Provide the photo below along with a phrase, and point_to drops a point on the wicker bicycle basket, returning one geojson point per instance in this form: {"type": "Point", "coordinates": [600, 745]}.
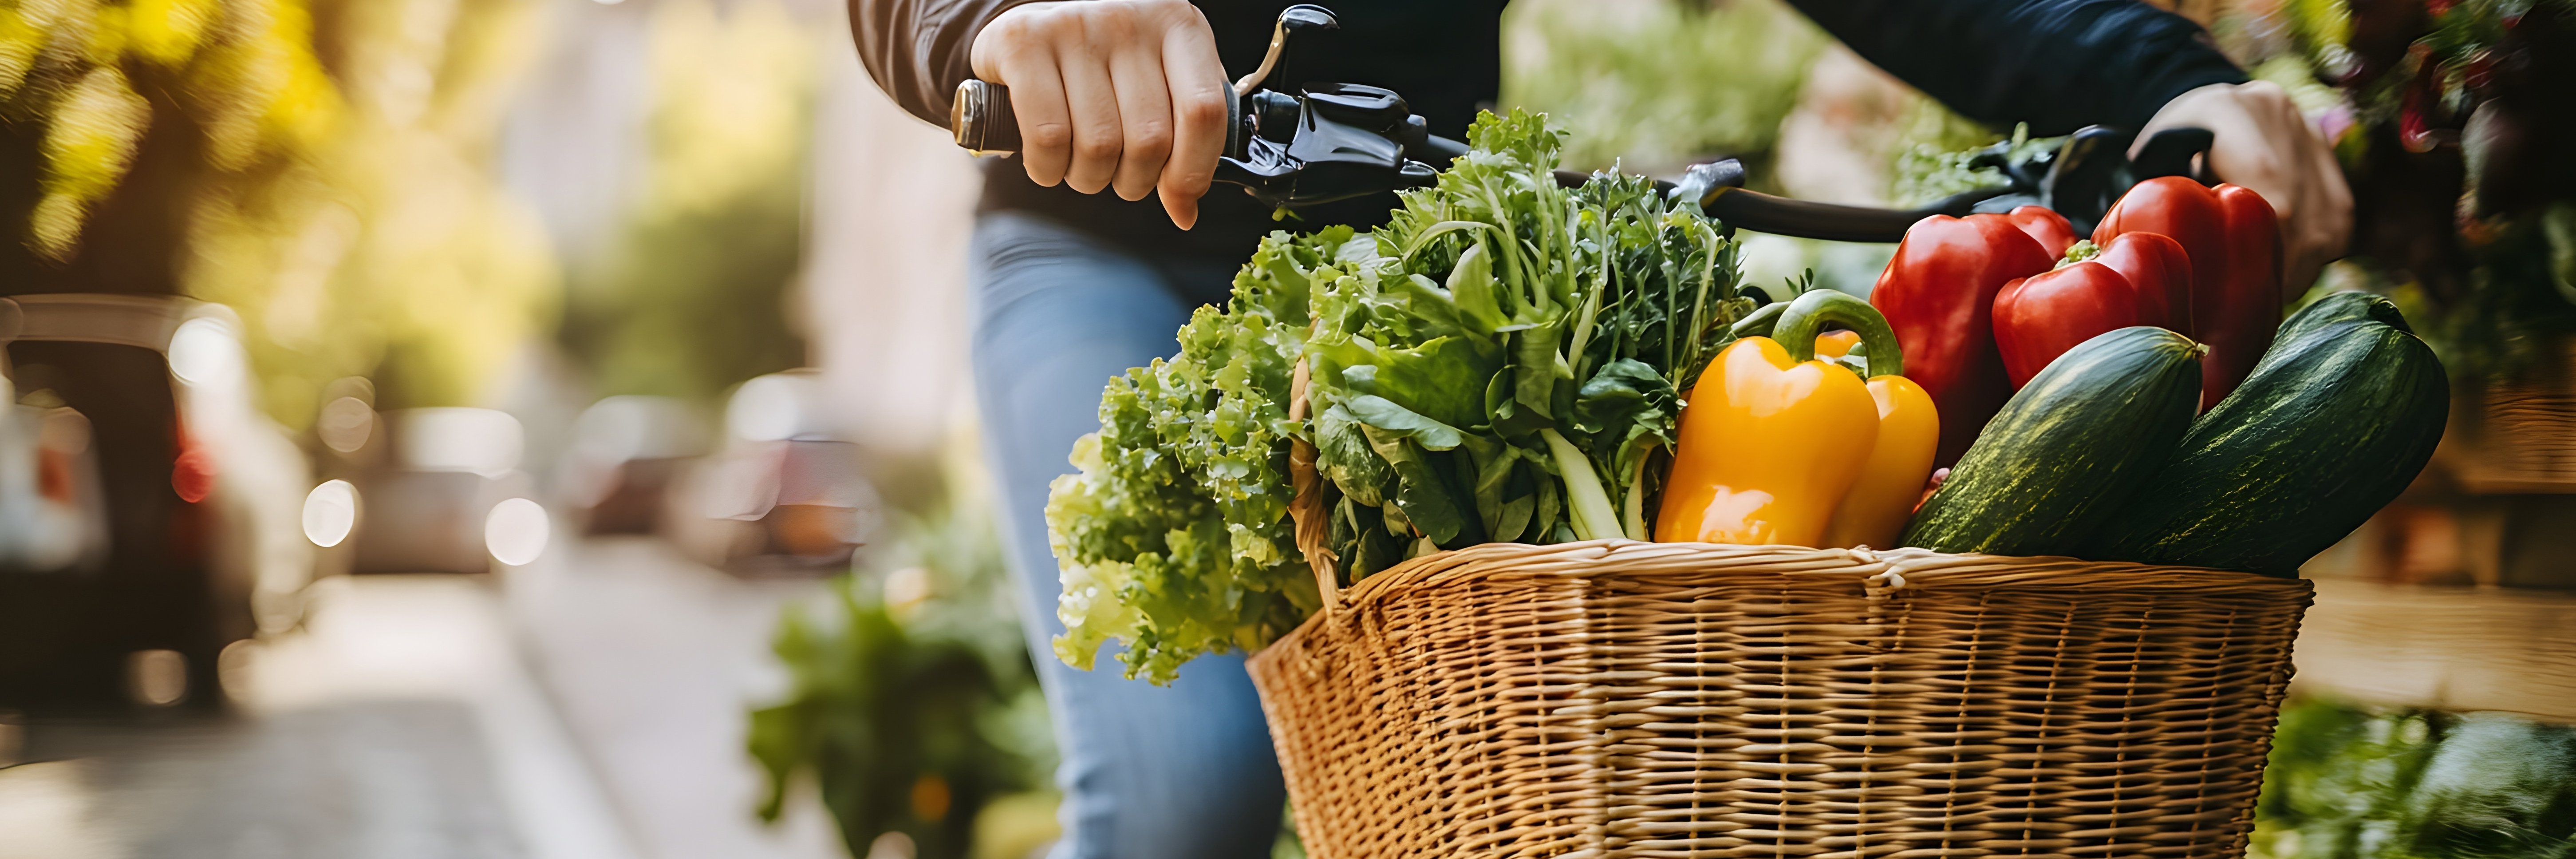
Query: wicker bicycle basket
{"type": "Point", "coordinates": [1626, 699]}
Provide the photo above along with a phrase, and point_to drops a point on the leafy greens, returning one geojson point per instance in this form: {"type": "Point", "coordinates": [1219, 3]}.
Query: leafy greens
{"type": "Point", "coordinates": [1500, 362]}
{"type": "Point", "coordinates": [1173, 533]}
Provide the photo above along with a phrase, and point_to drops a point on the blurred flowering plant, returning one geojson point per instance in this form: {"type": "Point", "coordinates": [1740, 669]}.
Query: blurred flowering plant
{"type": "Point", "coordinates": [2465, 206]}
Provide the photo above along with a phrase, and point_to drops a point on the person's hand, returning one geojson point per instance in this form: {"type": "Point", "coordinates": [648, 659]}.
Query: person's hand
{"type": "Point", "coordinates": [1123, 94]}
{"type": "Point", "coordinates": [2262, 143]}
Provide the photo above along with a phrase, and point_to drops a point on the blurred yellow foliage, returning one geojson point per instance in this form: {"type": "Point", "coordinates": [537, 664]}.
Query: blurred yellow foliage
{"type": "Point", "coordinates": [168, 31]}
{"type": "Point", "coordinates": [344, 206]}
{"type": "Point", "coordinates": [693, 294]}
{"type": "Point", "coordinates": [247, 69]}
{"type": "Point", "coordinates": [731, 99]}
{"type": "Point", "coordinates": [90, 140]}
{"type": "Point", "coordinates": [388, 246]}
{"type": "Point", "coordinates": [280, 96]}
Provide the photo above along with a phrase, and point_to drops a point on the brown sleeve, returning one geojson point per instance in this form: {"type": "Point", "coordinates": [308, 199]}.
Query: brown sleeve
{"type": "Point", "coordinates": [918, 50]}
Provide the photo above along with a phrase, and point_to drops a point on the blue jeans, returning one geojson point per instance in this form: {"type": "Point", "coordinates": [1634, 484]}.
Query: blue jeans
{"type": "Point", "coordinates": [1178, 772]}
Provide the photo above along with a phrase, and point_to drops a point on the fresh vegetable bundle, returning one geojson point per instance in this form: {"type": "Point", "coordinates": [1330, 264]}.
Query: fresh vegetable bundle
{"type": "Point", "coordinates": [1511, 360]}
{"type": "Point", "coordinates": [1500, 362]}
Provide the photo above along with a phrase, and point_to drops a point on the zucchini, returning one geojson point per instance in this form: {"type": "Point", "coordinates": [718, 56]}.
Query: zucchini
{"type": "Point", "coordinates": [2333, 308]}
{"type": "Point", "coordinates": [2332, 425]}
{"type": "Point", "coordinates": [2068, 449]}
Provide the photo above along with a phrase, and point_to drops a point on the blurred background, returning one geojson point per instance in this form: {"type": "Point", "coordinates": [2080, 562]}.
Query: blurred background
{"type": "Point", "coordinates": [501, 428]}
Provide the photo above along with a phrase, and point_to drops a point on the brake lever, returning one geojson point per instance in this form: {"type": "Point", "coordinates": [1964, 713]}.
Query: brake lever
{"type": "Point", "coordinates": [1329, 142]}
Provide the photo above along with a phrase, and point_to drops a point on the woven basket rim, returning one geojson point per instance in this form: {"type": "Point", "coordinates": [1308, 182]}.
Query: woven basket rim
{"type": "Point", "coordinates": [1878, 571]}
{"type": "Point", "coordinates": [1920, 568]}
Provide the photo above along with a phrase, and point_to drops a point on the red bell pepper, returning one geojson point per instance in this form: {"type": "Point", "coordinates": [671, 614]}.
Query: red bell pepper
{"type": "Point", "coordinates": [2055, 235]}
{"type": "Point", "coordinates": [1938, 293]}
{"type": "Point", "coordinates": [2232, 238]}
{"type": "Point", "coordinates": [2138, 281]}
{"type": "Point", "coordinates": [2254, 299]}
{"type": "Point", "coordinates": [2161, 271]}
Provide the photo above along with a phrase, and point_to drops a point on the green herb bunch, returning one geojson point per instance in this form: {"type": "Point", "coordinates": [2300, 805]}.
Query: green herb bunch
{"type": "Point", "coordinates": [1500, 362]}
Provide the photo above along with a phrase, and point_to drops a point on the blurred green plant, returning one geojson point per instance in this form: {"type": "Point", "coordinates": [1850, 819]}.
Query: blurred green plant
{"type": "Point", "coordinates": [2347, 782]}
{"type": "Point", "coordinates": [1287, 845]}
{"type": "Point", "coordinates": [1658, 83]}
{"type": "Point", "coordinates": [913, 703]}
{"type": "Point", "coordinates": [694, 296]}
{"type": "Point", "coordinates": [1938, 166]}
{"type": "Point", "coordinates": [319, 166]}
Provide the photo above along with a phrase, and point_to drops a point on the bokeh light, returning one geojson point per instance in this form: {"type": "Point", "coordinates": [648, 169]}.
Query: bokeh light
{"type": "Point", "coordinates": [516, 532]}
{"type": "Point", "coordinates": [330, 513]}
{"type": "Point", "coordinates": [203, 352]}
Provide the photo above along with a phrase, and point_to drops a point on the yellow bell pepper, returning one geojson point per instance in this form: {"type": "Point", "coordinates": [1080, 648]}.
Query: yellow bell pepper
{"type": "Point", "coordinates": [1836, 343]}
{"type": "Point", "coordinates": [1873, 513]}
{"type": "Point", "coordinates": [1778, 447]}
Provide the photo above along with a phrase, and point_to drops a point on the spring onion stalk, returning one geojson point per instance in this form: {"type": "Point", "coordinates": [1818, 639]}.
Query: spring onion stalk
{"type": "Point", "coordinates": [1587, 502]}
{"type": "Point", "coordinates": [1632, 509]}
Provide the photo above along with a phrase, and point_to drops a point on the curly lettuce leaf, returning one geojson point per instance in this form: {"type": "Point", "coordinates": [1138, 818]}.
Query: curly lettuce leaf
{"type": "Point", "coordinates": [1172, 534]}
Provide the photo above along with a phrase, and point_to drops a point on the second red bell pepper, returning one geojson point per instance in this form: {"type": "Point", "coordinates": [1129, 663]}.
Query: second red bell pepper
{"type": "Point", "coordinates": [1938, 293]}
{"type": "Point", "coordinates": [2142, 279]}
{"type": "Point", "coordinates": [2233, 240]}
{"type": "Point", "coordinates": [2161, 270]}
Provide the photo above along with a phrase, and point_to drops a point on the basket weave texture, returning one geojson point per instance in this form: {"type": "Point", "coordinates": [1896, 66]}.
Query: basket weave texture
{"type": "Point", "coordinates": [1624, 699]}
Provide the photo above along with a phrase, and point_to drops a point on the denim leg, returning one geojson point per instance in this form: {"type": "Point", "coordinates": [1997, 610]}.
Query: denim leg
{"type": "Point", "coordinates": [1178, 772]}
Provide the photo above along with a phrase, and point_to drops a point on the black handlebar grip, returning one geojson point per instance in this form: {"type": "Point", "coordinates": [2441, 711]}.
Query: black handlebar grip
{"type": "Point", "coordinates": [982, 120]}
{"type": "Point", "coordinates": [1806, 219]}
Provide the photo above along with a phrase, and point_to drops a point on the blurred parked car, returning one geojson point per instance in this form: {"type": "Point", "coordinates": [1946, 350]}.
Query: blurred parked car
{"type": "Point", "coordinates": [445, 496]}
{"type": "Point", "coordinates": [626, 454]}
{"type": "Point", "coordinates": [784, 495]}
{"type": "Point", "coordinates": [162, 526]}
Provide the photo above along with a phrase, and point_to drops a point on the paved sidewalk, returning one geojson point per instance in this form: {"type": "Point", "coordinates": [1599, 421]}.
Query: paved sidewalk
{"type": "Point", "coordinates": [399, 724]}
{"type": "Point", "coordinates": [654, 661]}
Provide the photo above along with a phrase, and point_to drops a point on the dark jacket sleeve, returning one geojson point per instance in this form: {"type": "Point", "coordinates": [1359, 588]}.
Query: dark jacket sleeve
{"type": "Point", "coordinates": [919, 50]}
{"type": "Point", "coordinates": [2057, 64]}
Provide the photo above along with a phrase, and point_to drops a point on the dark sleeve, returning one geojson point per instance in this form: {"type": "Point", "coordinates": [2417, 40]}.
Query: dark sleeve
{"type": "Point", "coordinates": [2059, 65]}
{"type": "Point", "coordinates": [918, 50]}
